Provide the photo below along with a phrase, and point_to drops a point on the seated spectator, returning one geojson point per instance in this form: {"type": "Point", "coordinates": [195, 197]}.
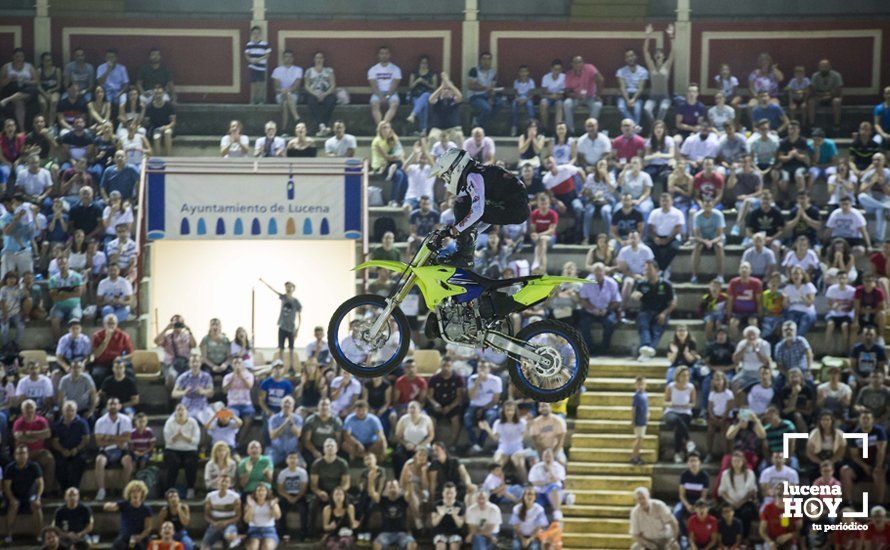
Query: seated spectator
{"type": "Point", "coordinates": [523, 92]}
{"type": "Point", "coordinates": [875, 398]}
{"type": "Point", "coordinates": [743, 302]}
{"type": "Point", "coordinates": [761, 394]}
{"type": "Point", "coordinates": [284, 432]}
{"type": "Point", "coordinates": [834, 395]}
{"type": "Point", "coordinates": [869, 305]}
{"type": "Point", "coordinates": [682, 352]}
{"type": "Point", "coordinates": [751, 353]}
{"type": "Point", "coordinates": [548, 478]}
{"type": "Point", "coordinates": [746, 184]}
{"type": "Point", "coordinates": [35, 387]}
{"type": "Point", "coordinates": [270, 145]}
{"type": "Point", "coordinates": [66, 290]}
{"type": "Point", "coordinates": [288, 78]}
{"type": "Point", "coordinates": [177, 515]}
{"type": "Point", "coordinates": [341, 144]}
{"type": "Point", "coordinates": [394, 517]}
{"type": "Point", "coordinates": [483, 520]}
{"type": "Point", "coordinates": [793, 351]}
{"type": "Point", "coordinates": [122, 387]}
{"type": "Point", "coordinates": [823, 158]}
{"type": "Point", "coordinates": [508, 431]}
{"type": "Point", "coordinates": [593, 146]}
{"type": "Point", "coordinates": [109, 344]}
{"type": "Point", "coordinates": [338, 521]}
{"type": "Point", "coordinates": [599, 194]}
{"type": "Point", "coordinates": [484, 392]}
{"type": "Point", "coordinates": [651, 523]}
{"type": "Point", "coordinates": [548, 431]}
{"type": "Point", "coordinates": [193, 388]}
{"type": "Point", "coordinates": [446, 396]}
{"type": "Point", "coordinates": [178, 342]}
{"type": "Point", "coordinates": [182, 435]}
{"type": "Point", "coordinates": [19, 229]}
{"type": "Point", "coordinates": [631, 261]}
{"type": "Point", "coordinates": [363, 433]}
{"type": "Point", "coordinates": [387, 157]}
{"type": "Point", "coordinates": [261, 512]}
{"type": "Point", "coordinates": [318, 428]}
{"type": "Point", "coordinates": [409, 386]}
{"type": "Point", "coordinates": [73, 346]}
{"type": "Point", "coordinates": [826, 443]}
{"type": "Point", "coordinates": [70, 437]}
{"type": "Point", "coordinates": [720, 406]}
{"type": "Point", "coordinates": [793, 161]}
{"type": "Point", "coordinates": [657, 302]}
{"type": "Point", "coordinates": [878, 529]}
{"type": "Point", "coordinates": [291, 486]}
{"type": "Point", "coordinates": [34, 182]}
{"type": "Point", "coordinates": [628, 145]}
{"type": "Point", "coordinates": [693, 486]}
{"type": "Point", "coordinates": [222, 511]}
{"type": "Point", "coordinates": [135, 517]}
{"type": "Point", "coordinates": [874, 186]}
{"type": "Point", "coordinates": [74, 521]}
{"type": "Point", "coordinates": [866, 357]}
{"type": "Point", "coordinates": [775, 528]}
{"type": "Point", "coordinates": [115, 213]}
{"type": "Point", "coordinates": [115, 294]}
{"type": "Point", "coordinates": [444, 468]}
{"type": "Point", "coordinates": [215, 348]}
{"type": "Point", "coordinates": [679, 399]}
{"type": "Point", "coordinates": [255, 469]}
{"type": "Point", "coordinates": [113, 432]}
{"type": "Point", "coordinates": [344, 390]}
{"type": "Point", "coordinates": [826, 88]}
{"type": "Point", "coordinates": [142, 441]}
{"type": "Point", "coordinates": [160, 120]}
{"type": "Point", "coordinates": [873, 468]}
{"type": "Point", "coordinates": [445, 103]}
{"type": "Point", "coordinates": [631, 84]}
{"type": "Point", "coordinates": [528, 519]}
{"type": "Point", "coordinates": [768, 220]}
{"type": "Point", "coordinates": [699, 146]}
{"type": "Point", "coordinates": [413, 431]}
{"type": "Point", "coordinates": [234, 144]}
{"type": "Point", "coordinates": [384, 79]}
{"type": "Point", "coordinates": [600, 303]}
{"type": "Point", "coordinates": [448, 517]}
{"type": "Point", "coordinates": [302, 145]}
{"type": "Point", "coordinates": [798, 89]}
{"type": "Point", "coordinates": [12, 298]}
{"type": "Point", "coordinates": [634, 181]}
{"type": "Point", "coordinates": [802, 256]}
{"type": "Point", "coordinates": [327, 474]}
{"type": "Point", "coordinates": [707, 234]}
{"type": "Point", "coordinates": [849, 224]}
{"type": "Point", "coordinates": [220, 464]}
{"type": "Point", "coordinates": [879, 265]}
{"type": "Point", "coordinates": [273, 389]}
{"type": "Point", "coordinates": [420, 185]}
{"type": "Point", "coordinates": [23, 488]}
{"type": "Point", "coordinates": [582, 87]}
{"type": "Point", "coordinates": [665, 226]}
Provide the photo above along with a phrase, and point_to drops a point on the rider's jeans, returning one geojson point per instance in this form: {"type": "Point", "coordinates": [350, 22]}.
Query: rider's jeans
{"type": "Point", "coordinates": [649, 328]}
{"type": "Point", "coordinates": [472, 416]}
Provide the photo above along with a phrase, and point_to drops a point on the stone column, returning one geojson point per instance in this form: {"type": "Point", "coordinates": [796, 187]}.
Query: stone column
{"type": "Point", "coordinates": [683, 71]}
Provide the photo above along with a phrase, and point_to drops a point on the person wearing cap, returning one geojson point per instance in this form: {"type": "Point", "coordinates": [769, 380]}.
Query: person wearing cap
{"type": "Point", "coordinates": [363, 433]}
{"type": "Point", "coordinates": [19, 229]}
{"type": "Point", "coordinates": [702, 527]}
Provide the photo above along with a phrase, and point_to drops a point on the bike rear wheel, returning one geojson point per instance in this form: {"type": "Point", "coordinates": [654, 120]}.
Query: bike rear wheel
{"type": "Point", "coordinates": [566, 368]}
{"type": "Point", "coordinates": [351, 344]}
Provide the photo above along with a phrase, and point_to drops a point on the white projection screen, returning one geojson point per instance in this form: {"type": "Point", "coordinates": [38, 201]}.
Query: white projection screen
{"type": "Point", "coordinates": [214, 278]}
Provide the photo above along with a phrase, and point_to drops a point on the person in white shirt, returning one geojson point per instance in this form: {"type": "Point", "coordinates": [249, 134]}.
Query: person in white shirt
{"type": "Point", "coordinates": [112, 433]}
{"type": "Point", "coordinates": [548, 477]}
{"type": "Point", "coordinates": [344, 390]}
{"type": "Point", "coordinates": [524, 88]}
{"type": "Point", "coordinates": [35, 182]}
{"type": "Point", "coordinates": [287, 77]}
{"type": "Point", "coordinates": [417, 168]}
{"type": "Point", "coordinates": [665, 225]}
{"type": "Point", "coordinates": [840, 310]}
{"type": "Point", "coordinates": [115, 294]}
{"type": "Point", "coordinates": [182, 434]}
{"type": "Point", "coordinates": [631, 82]}
{"type": "Point", "coordinates": [592, 146]}
{"type": "Point", "coordinates": [553, 86]}
{"type": "Point", "coordinates": [340, 144]}
{"type": "Point", "coordinates": [36, 387]}
{"type": "Point", "coordinates": [762, 394]}
{"type": "Point", "coordinates": [269, 145]}
{"type": "Point", "coordinates": [483, 521]}
{"type": "Point", "coordinates": [751, 353]}
{"type": "Point", "coordinates": [698, 146]}
{"type": "Point", "coordinates": [484, 391]}
{"type": "Point", "coordinates": [384, 78]}
{"type": "Point", "coordinates": [631, 262]}
{"type": "Point", "coordinates": [234, 144]}
{"type": "Point", "coordinates": [774, 475]}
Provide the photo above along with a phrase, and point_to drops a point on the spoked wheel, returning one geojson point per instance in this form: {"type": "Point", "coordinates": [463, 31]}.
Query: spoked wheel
{"type": "Point", "coordinates": [351, 343]}
{"type": "Point", "coordinates": [564, 367]}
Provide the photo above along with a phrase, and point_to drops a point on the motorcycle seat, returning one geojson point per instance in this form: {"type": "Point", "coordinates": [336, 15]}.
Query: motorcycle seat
{"type": "Point", "coordinates": [492, 284]}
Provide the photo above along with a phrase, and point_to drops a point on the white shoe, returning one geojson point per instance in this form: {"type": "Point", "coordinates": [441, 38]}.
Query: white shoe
{"type": "Point", "coordinates": [641, 358]}
{"type": "Point", "coordinates": [678, 458]}
{"type": "Point", "coordinates": [557, 515]}
{"type": "Point", "coordinates": [719, 279]}
{"type": "Point", "coordinates": [648, 351]}
{"type": "Point", "coordinates": [100, 495]}
{"type": "Point", "coordinates": [190, 494]}
{"type": "Point", "coordinates": [690, 446]}
{"type": "Point", "coordinates": [570, 499]}
{"type": "Point", "coordinates": [475, 449]}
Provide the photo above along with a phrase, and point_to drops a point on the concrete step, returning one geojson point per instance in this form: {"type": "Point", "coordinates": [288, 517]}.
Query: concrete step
{"type": "Point", "coordinates": [601, 426]}
{"type": "Point", "coordinates": [612, 441]}
{"type": "Point", "coordinates": [611, 482]}
{"type": "Point", "coordinates": [617, 455]}
{"type": "Point", "coordinates": [596, 511]}
{"type": "Point", "coordinates": [599, 412]}
{"type": "Point", "coordinates": [604, 497]}
{"type": "Point", "coordinates": [611, 384]}
{"type": "Point", "coordinates": [612, 526]}
{"type": "Point", "coordinates": [607, 468]}
{"type": "Point", "coordinates": [622, 367]}
{"type": "Point", "coordinates": [589, 541]}
{"type": "Point", "coordinates": [601, 398]}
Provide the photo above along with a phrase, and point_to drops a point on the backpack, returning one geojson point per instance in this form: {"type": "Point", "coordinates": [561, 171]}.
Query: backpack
{"type": "Point", "coordinates": [506, 198]}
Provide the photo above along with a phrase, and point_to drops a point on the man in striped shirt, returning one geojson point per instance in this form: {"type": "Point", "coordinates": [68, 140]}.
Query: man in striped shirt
{"type": "Point", "coordinates": [256, 52]}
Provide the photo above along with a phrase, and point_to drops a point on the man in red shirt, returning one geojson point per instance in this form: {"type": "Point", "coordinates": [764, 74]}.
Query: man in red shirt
{"type": "Point", "coordinates": [743, 304]}
{"type": "Point", "coordinates": [582, 86]}
{"type": "Point", "coordinates": [878, 534]}
{"type": "Point", "coordinates": [109, 343]}
{"type": "Point", "coordinates": [33, 431]}
{"type": "Point", "coordinates": [12, 148]}
{"type": "Point", "coordinates": [880, 263]}
{"type": "Point", "coordinates": [777, 531]}
{"type": "Point", "coordinates": [702, 528]}
{"type": "Point", "coordinates": [542, 225]}
{"type": "Point", "coordinates": [628, 145]}
{"type": "Point", "coordinates": [707, 185]}
{"type": "Point", "coordinates": [410, 387]}
{"type": "Point", "coordinates": [869, 303]}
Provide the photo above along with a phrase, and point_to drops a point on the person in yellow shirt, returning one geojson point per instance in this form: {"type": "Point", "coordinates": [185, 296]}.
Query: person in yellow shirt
{"type": "Point", "coordinates": [773, 305]}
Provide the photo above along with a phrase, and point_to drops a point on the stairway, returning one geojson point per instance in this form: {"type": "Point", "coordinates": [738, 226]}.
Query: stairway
{"type": "Point", "coordinates": [598, 471]}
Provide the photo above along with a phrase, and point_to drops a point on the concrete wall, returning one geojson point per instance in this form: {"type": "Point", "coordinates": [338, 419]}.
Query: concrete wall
{"type": "Point", "coordinates": [791, 9]}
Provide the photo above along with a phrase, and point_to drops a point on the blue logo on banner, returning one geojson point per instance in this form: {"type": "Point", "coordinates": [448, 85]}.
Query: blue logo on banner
{"type": "Point", "coordinates": [220, 226]}
{"type": "Point", "coordinates": [325, 227]}
{"type": "Point", "coordinates": [202, 227]}
{"type": "Point", "coordinates": [185, 227]}
{"type": "Point", "coordinates": [273, 226]}
{"type": "Point", "coordinates": [239, 227]}
{"type": "Point", "coordinates": [255, 227]}
{"type": "Point", "coordinates": [307, 226]}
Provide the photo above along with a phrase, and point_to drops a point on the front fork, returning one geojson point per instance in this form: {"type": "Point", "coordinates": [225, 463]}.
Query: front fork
{"type": "Point", "coordinates": [394, 301]}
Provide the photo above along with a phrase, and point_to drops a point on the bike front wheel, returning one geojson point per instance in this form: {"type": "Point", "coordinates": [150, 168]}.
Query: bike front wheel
{"type": "Point", "coordinates": [353, 346]}
{"type": "Point", "coordinates": [565, 363]}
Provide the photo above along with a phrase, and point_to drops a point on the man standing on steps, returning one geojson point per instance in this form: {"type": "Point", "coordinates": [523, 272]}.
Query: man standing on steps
{"type": "Point", "coordinates": [652, 525]}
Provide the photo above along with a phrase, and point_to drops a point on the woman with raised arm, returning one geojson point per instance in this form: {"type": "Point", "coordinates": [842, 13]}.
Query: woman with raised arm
{"type": "Point", "coordinates": [659, 74]}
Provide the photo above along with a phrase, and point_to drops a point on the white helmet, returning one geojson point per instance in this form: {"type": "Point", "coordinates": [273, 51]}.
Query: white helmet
{"type": "Point", "coordinates": [450, 167]}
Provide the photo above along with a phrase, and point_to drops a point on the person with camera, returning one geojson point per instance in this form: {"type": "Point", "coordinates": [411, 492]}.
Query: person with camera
{"type": "Point", "coordinates": [448, 520]}
{"type": "Point", "coordinates": [178, 342]}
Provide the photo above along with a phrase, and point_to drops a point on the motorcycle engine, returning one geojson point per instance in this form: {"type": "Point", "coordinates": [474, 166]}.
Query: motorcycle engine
{"type": "Point", "coordinates": [459, 321]}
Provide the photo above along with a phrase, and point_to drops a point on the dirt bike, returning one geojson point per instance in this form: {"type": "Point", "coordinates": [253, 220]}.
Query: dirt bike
{"type": "Point", "coordinates": [369, 335]}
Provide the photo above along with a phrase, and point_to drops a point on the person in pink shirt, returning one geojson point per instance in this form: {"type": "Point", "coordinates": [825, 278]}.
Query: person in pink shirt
{"type": "Point", "coordinates": [826, 469]}
{"type": "Point", "coordinates": [582, 86]}
{"type": "Point", "coordinates": [628, 145]}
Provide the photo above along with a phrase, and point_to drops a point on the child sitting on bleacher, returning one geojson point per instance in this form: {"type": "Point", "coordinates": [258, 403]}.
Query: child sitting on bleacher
{"type": "Point", "coordinates": [142, 442]}
{"type": "Point", "coordinates": [498, 489]}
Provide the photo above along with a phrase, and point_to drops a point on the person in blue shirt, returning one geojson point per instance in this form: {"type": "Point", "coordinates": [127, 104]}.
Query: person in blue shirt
{"type": "Point", "coordinates": [284, 429]}
{"type": "Point", "coordinates": [823, 157]}
{"type": "Point", "coordinates": [640, 418]}
{"type": "Point", "coordinates": [18, 229]}
{"type": "Point", "coordinates": [274, 389]}
{"type": "Point", "coordinates": [363, 433]}
{"type": "Point", "coordinates": [120, 176]}
{"type": "Point", "coordinates": [112, 76]}
{"type": "Point", "coordinates": [776, 116]}
{"type": "Point", "coordinates": [882, 115]}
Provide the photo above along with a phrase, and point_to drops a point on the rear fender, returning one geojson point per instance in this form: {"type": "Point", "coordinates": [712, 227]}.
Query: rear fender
{"type": "Point", "coordinates": [538, 290]}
